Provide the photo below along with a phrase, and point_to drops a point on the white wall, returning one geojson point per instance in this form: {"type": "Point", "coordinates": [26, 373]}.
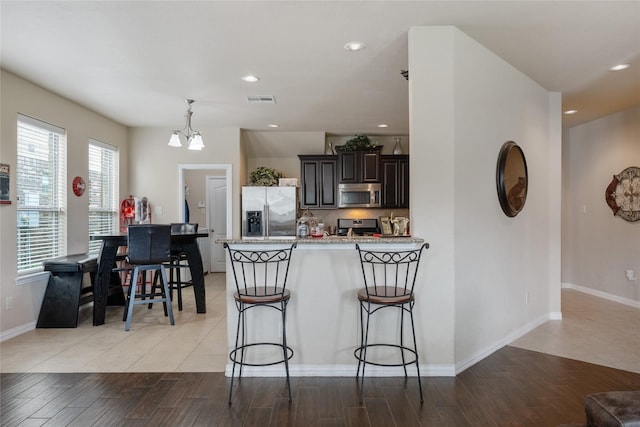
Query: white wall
{"type": "Point", "coordinates": [155, 174]}
{"type": "Point", "coordinates": [431, 107]}
{"type": "Point", "coordinates": [597, 246]}
{"type": "Point", "coordinates": [196, 180]}
{"type": "Point", "coordinates": [465, 102]}
{"type": "Point", "coordinates": [280, 150]}
{"type": "Point", "coordinates": [20, 96]}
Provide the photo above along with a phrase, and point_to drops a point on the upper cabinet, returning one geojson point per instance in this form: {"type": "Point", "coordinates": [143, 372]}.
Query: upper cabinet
{"type": "Point", "coordinates": [359, 166]}
{"type": "Point", "coordinates": [318, 181]}
{"type": "Point", "coordinates": [395, 181]}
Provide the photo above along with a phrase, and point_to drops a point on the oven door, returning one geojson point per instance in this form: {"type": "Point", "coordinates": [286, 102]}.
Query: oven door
{"type": "Point", "coordinates": [359, 195]}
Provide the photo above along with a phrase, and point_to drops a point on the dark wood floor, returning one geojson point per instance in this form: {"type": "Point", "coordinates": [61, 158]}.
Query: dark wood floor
{"type": "Point", "coordinates": [512, 387]}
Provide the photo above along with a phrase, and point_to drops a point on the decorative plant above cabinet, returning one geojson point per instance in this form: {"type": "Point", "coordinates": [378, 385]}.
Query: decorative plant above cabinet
{"type": "Point", "coordinates": [358, 142]}
{"type": "Point", "coordinates": [263, 176]}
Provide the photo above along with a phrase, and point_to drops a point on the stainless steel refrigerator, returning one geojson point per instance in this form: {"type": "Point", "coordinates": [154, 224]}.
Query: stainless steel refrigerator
{"type": "Point", "coordinates": [269, 212]}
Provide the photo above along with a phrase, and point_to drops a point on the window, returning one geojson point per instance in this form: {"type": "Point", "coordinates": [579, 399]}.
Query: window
{"type": "Point", "coordinates": [41, 195]}
{"type": "Point", "coordinates": [103, 191]}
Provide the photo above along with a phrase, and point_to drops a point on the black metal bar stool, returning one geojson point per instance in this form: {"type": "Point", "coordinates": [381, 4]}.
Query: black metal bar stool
{"type": "Point", "coordinates": [261, 280]}
{"type": "Point", "coordinates": [148, 248]}
{"type": "Point", "coordinates": [389, 279]}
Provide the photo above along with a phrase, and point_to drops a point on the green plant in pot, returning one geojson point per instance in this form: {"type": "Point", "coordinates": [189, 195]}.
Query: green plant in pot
{"type": "Point", "coordinates": [358, 142]}
{"type": "Point", "coordinates": [264, 176]}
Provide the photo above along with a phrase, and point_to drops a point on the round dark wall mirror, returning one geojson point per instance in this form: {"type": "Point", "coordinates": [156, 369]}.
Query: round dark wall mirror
{"type": "Point", "coordinates": [511, 178]}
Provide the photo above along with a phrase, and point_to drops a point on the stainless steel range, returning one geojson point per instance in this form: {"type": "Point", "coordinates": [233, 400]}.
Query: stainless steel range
{"type": "Point", "coordinates": [360, 227]}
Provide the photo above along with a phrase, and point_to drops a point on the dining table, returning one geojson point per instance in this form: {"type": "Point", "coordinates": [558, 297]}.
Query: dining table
{"type": "Point", "coordinates": [107, 286]}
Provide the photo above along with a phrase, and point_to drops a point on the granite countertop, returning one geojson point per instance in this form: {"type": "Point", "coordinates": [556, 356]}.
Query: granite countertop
{"type": "Point", "coordinates": [327, 240]}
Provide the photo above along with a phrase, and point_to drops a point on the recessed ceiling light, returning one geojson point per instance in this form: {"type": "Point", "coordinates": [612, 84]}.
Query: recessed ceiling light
{"type": "Point", "coordinates": [569, 112]}
{"type": "Point", "coordinates": [383, 125]}
{"type": "Point", "coordinates": [619, 67]}
{"type": "Point", "coordinates": [250, 78]}
{"type": "Point", "coordinates": [354, 46]}
{"type": "Point", "coordinates": [273, 125]}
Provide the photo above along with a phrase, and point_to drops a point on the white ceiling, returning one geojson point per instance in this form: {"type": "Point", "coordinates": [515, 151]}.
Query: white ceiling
{"type": "Point", "coordinates": [136, 61]}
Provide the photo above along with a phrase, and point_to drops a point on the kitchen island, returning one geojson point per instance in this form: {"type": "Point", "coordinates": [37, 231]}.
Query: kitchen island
{"type": "Point", "coordinates": [323, 313]}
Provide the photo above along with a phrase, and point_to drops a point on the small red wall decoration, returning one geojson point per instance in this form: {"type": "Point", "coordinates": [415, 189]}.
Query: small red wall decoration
{"type": "Point", "coordinates": [78, 186]}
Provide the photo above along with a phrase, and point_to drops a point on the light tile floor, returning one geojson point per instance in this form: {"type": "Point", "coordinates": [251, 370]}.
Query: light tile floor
{"type": "Point", "coordinates": [592, 330]}
{"type": "Point", "coordinates": [196, 343]}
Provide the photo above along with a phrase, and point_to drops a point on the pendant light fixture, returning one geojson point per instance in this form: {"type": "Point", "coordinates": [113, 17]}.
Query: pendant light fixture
{"type": "Point", "coordinates": [193, 137]}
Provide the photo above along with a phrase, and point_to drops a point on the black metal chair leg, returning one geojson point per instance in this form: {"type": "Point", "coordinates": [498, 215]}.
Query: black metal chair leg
{"type": "Point", "coordinates": [404, 362]}
{"type": "Point", "coordinates": [363, 354]}
{"type": "Point", "coordinates": [361, 339]}
{"type": "Point", "coordinates": [233, 356]}
{"type": "Point", "coordinates": [415, 347]}
{"type": "Point", "coordinates": [179, 289]}
{"type": "Point", "coordinates": [284, 346]}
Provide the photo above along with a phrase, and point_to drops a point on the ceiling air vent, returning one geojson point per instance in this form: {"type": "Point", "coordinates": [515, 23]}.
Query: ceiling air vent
{"type": "Point", "coordinates": [261, 99]}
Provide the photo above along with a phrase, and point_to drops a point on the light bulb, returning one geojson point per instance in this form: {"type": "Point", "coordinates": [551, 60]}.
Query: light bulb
{"type": "Point", "coordinates": [174, 141]}
{"type": "Point", "coordinates": [196, 142]}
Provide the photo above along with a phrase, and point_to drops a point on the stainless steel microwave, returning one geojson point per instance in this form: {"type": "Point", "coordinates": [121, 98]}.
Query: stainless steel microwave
{"type": "Point", "coordinates": [360, 195]}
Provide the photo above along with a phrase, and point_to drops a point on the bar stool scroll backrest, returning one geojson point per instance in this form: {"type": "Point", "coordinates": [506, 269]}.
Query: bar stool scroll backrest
{"type": "Point", "coordinates": [260, 272]}
{"type": "Point", "coordinates": [390, 274]}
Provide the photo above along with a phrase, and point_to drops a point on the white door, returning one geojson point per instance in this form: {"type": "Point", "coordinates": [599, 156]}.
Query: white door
{"type": "Point", "coordinates": [217, 220]}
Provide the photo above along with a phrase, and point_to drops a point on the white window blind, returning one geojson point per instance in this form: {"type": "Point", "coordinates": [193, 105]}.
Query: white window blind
{"type": "Point", "coordinates": [41, 192]}
{"type": "Point", "coordinates": [103, 191]}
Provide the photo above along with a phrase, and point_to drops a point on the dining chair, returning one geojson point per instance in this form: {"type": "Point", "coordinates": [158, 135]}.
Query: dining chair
{"type": "Point", "coordinates": [148, 248]}
{"type": "Point", "coordinates": [178, 262]}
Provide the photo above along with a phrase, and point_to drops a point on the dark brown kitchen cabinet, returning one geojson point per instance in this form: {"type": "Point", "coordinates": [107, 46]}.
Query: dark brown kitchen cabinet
{"type": "Point", "coordinates": [395, 181]}
{"type": "Point", "coordinates": [359, 166]}
{"type": "Point", "coordinates": [318, 186]}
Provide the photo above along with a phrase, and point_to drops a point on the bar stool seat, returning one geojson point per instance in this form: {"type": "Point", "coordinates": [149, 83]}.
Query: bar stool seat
{"type": "Point", "coordinates": [389, 279]}
{"type": "Point", "coordinates": [260, 296]}
{"type": "Point", "coordinates": [382, 295]}
{"type": "Point", "coordinates": [261, 278]}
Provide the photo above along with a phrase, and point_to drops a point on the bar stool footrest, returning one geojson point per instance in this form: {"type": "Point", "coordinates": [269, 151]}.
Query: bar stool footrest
{"type": "Point", "coordinates": [232, 354]}
{"type": "Point", "coordinates": [358, 355]}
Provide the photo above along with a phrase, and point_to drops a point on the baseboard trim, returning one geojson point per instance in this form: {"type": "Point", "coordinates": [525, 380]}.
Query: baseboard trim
{"type": "Point", "coordinates": [18, 330]}
{"type": "Point", "coordinates": [601, 294]}
{"type": "Point", "coordinates": [429, 370]}
{"type": "Point", "coordinates": [555, 315]}
{"type": "Point", "coordinates": [341, 371]}
{"type": "Point", "coordinates": [488, 350]}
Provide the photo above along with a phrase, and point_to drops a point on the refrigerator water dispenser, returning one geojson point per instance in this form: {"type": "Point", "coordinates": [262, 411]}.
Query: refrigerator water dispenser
{"type": "Point", "coordinates": [254, 223]}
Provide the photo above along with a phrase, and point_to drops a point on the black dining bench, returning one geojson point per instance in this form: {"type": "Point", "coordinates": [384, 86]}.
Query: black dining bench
{"type": "Point", "coordinates": [65, 292]}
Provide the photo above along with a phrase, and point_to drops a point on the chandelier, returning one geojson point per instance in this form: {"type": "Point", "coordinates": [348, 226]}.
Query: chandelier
{"type": "Point", "coordinates": [193, 137]}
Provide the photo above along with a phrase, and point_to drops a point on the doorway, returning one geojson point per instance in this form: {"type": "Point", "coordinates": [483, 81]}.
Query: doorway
{"type": "Point", "coordinates": [217, 220]}
{"type": "Point", "coordinates": [223, 171]}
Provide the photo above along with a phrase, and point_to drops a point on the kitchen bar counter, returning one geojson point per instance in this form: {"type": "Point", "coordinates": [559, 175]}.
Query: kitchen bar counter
{"type": "Point", "coordinates": [323, 313]}
{"type": "Point", "coordinates": [326, 240]}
